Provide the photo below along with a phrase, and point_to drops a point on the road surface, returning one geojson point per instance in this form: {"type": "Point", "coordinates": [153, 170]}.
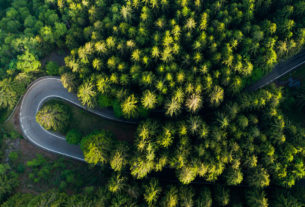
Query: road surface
{"type": "Point", "coordinates": [39, 92]}
{"type": "Point", "coordinates": [280, 70]}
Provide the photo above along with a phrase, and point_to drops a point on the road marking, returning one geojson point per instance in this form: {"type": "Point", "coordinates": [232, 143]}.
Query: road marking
{"type": "Point", "coordinates": [52, 150]}
{"type": "Point", "coordinates": [52, 134]}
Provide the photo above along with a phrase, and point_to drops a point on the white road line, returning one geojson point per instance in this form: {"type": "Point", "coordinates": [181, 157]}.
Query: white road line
{"type": "Point", "coordinates": [61, 153]}
{"type": "Point", "coordinates": [52, 134]}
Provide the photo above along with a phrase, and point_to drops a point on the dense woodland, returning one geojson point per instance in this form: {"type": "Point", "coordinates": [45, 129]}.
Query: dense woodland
{"type": "Point", "coordinates": [179, 68]}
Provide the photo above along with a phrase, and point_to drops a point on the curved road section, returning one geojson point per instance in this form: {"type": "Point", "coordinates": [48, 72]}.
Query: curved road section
{"type": "Point", "coordinates": [39, 92]}
{"type": "Point", "coordinates": [280, 70]}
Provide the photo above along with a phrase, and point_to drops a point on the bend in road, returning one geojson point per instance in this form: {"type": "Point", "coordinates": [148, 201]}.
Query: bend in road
{"type": "Point", "coordinates": [39, 92]}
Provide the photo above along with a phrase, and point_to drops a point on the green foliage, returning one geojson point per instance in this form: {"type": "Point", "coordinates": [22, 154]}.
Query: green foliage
{"type": "Point", "coordinates": [186, 60]}
{"type": "Point", "coordinates": [28, 62]}
{"type": "Point", "coordinates": [117, 109]}
{"type": "Point", "coordinates": [8, 95]}
{"type": "Point", "coordinates": [193, 38]}
{"type": "Point", "coordinates": [8, 181]}
{"type": "Point", "coordinates": [53, 117]}
{"type": "Point", "coordinates": [256, 198]}
{"type": "Point", "coordinates": [205, 198]}
{"type": "Point", "coordinates": [86, 94]}
{"type": "Point", "coordinates": [258, 177]}
{"type": "Point", "coordinates": [170, 198]}
{"type": "Point", "coordinates": [104, 101]}
{"type": "Point", "coordinates": [187, 196]}
{"type": "Point", "coordinates": [41, 169]}
{"type": "Point", "coordinates": [222, 195]}
{"type": "Point", "coordinates": [73, 136]}
{"type": "Point", "coordinates": [119, 157]}
{"type": "Point", "coordinates": [52, 68]}
{"type": "Point", "coordinates": [234, 176]}
{"type": "Point", "coordinates": [116, 183]}
{"type": "Point", "coordinates": [18, 200]}
{"type": "Point", "coordinates": [97, 147]}
{"type": "Point", "coordinates": [129, 107]}
{"type": "Point", "coordinates": [68, 81]}
{"type": "Point", "coordinates": [285, 198]}
{"type": "Point", "coordinates": [60, 174]}
{"type": "Point", "coordinates": [152, 192]}
{"type": "Point", "coordinates": [13, 156]}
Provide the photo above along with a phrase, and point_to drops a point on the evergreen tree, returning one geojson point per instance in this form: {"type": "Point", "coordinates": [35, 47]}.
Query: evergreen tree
{"type": "Point", "coordinates": [53, 117]}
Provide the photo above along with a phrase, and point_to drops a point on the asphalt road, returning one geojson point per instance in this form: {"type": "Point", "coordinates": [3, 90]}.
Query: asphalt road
{"type": "Point", "coordinates": [280, 70]}
{"type": "Point", "coordinates": [39, 92]}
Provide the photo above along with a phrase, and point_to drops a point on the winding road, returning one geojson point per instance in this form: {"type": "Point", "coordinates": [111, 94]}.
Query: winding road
{"type": "Point", "coordinates": [38, 93]}
{"type": "Point", "coordinates": [47, 88]}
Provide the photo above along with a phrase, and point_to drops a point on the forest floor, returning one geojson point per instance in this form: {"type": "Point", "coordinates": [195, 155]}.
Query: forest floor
{"type": "Point", "coordinates": [57, 57]}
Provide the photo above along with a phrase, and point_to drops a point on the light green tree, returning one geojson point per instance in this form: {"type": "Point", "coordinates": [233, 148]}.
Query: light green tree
{"type": "Point", "coordinates": [172, 107]}
{"type": "Point", "coordinates": [68, 81]}
{"type": "Point", "coordinates": [8, 95]}
{"type": "Point", "coordinates": [27, 62]}
{"type": "Point", "coordinates": [119, 157]}
{"type": "Point", "coordinates": [53, 117]}
{"type": "Point", "coordinates": [116, 183]}
{"type": "Point", "coordinates": [129, 107]}
{"type": "Point", "coordinates": [152, 192]}
{"type": "Point", "coordinates": [193, 103]}
{"type": "Point", "coordinates": [149, 100]}
{"type": "Point", "coordinates": [216, 96]}
{"type": "Point", "coordinates": [171, 198]}
{"type": "Point", "coordinates": [86, 94]}
{"type": "Point", "coordinates": [97, 147]}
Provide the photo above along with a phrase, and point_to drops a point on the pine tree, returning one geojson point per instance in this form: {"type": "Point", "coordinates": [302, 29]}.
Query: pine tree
{"type": "Point", "coordinates": [256, 198]}
{"type": "Point", "coordinates": [119, 158]}
{"type": "Point", "coordinates": [68, 81]}
{"type": "Point", "coordinates": [129, 107]}
{"type": "Point", "coordinates": [216, 96]}
{"type": "Point", "coordinates": [170, 198]}
{"type": "Point", "coordinates": [116, 183]}
{"type": "Point", "coordinates": [205, 198]}
{"type": "Point", "coordinates": [172, 107]}
{"type": "Point", "coordinates": [8, 96]}
{"type": "Point", "coordinates": [152, 192]}
{"type": "Point", "coordinates": [186, 196]}
{"type": "Point", "coordinates": [87, 94]}
{"type": "Point", "coordinates": [193, 103]}
{"type": "Point", "coordinates": [53, 117]}
{"type": "Point", "coordinates": [222, 195]}
{"type": "Point", "coordinates": [149, 100]}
